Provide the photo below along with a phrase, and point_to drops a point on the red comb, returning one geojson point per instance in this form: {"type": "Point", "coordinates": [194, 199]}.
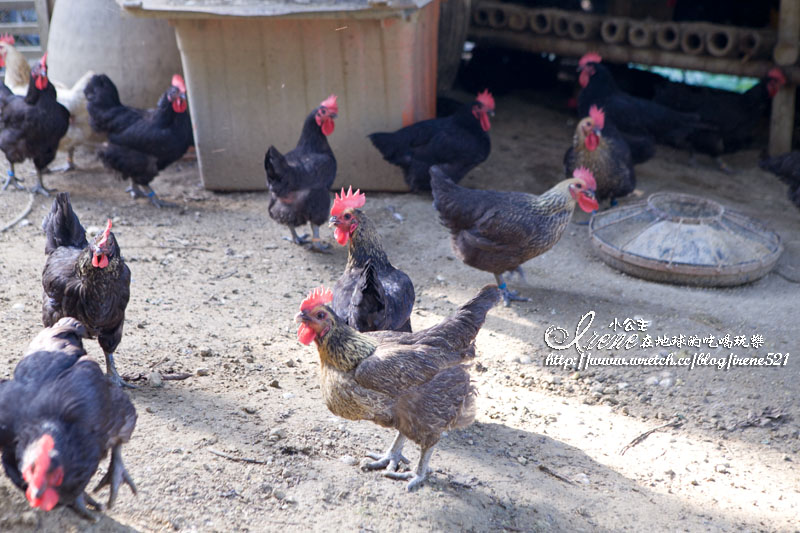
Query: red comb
{"type": "Point", "coordinates": [590, 57]}
{"type": "Point", "coordinates": [43, 61]}
{"type": "Point", "coordinates": [330, 104]}
{"type": "Point", "coordinates": [586, 176]}
{"type": "Point", "coordinates": [777, 74]}
{"type": "Point", "coordinates": [7, 38]}
{"type": "Point", "coordinates": [346, 200]}
{"type": "Point", "coordinates": [598, 116]}
{"type": "Point", "coordinates": [318, 296]}
{"type": "Point", "coordinates": [177, 81]}
{"type": "Point", "coordinates": [105, 234]}
{"type": "Point", "coordinates": [486, 99]}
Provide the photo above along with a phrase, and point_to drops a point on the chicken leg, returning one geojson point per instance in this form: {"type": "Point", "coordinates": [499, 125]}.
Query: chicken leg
{"type": "Point", "coordinates": [417, 476]}
{"type": "Point", "coordinates": [113, 375]}
{"type": "Point", "coordinates": [316, 243]}
{"type": "Point", "coordinates": [12, 179]}
{"type": "Point", "coordinates": [39, 187]}
{"type": "Point", "coordinates": [301, 239]}
{"type": "Point", "coordinates": [508, 295]}
{"type": "Point", "coordinates": [70, 163]}
{"type": "Point", "coordinates": [155, 200]}
{"type": "Point", "coordinates": [391, 459]}
{"type": "Point", "coordinates": [116, 475]}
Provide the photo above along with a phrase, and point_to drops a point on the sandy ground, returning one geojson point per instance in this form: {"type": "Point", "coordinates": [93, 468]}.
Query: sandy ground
{"type": "Point", "coordinates": [215, 287]}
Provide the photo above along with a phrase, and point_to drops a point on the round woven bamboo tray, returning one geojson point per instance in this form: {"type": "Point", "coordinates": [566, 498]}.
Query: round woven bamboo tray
{"type": "Point", "coordinates": [684, 239]}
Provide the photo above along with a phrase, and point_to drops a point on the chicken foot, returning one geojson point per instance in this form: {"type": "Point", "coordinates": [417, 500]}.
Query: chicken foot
{"type": "Point", "coordinates": [508, 295]}
{"type": "Point", "coordinates": [116, 475]}
{"type": "Point", "coordinates": [39, 187]}
{"type": "Point", "coordinates": [390, 461]}
{"type": "Point", "coordinates": [113, 375]}
{"type": "Point", "coordinates": [316, 243]}
{"type": "Point", "coordinates": [417, 476]}
{"type": "Point", "coordinates": [12, 179]}
{"type": "Point", "coordinates": [79, 506]}
{"type": "Point", "coordinates": [300, 240]}
{"type": "Point", "coordinates": [136, 192]}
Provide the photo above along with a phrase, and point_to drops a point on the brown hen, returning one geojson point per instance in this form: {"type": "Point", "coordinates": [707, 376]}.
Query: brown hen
{"type": "Point", "coordinates": [416, 383]}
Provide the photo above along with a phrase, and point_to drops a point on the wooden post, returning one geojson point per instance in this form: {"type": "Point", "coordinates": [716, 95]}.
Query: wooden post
{"type": "Point", "coordinates": [43, 18]}
{"type": "Point", "coordinates": [781, 124]}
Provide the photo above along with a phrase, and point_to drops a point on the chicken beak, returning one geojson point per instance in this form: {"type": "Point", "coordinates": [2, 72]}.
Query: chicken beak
{"type": "Point", "coordinates": [39, 492]}
{"type": "Point", "coordinates": [299, 317]}
{"type": "Point", "coordinates": [334, 221]}
{"type": "Point", "coordinates": [598, 132]}
{"type": "Point", "coordinates": [490, 112]}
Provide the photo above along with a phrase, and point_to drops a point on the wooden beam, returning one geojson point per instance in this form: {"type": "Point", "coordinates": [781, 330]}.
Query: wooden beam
{"type": "Point", "coordinates": [781, 125]}
{"type": "Point", "coordinates": [19, 28]}
{"type": "Point", "coordinates": [625, 54]}
{"type": "Point", "coordinates": [43, 18]}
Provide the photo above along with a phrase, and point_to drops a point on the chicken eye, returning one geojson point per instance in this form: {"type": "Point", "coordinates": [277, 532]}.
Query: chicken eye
{"type": "Point", "coordinates": [322, 110]}
{"type": "Point", "coordinates": [347, 216]}
{"type": "Point", "coordinates": [320, 315]}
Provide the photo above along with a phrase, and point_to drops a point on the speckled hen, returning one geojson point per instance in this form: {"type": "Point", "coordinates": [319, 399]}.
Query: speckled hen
{"type": "Point", "coordinates": [416, 383]}
{"type": "Point", "coordinates": [83, 280]}
{"type": "Point", "coordinates": [498, 231]}
{"type": "Point", "coordinates": [605, 153]}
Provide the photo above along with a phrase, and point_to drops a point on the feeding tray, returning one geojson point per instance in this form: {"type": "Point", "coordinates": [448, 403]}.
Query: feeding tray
{"type": "Point", "coordinates": [684, 239]}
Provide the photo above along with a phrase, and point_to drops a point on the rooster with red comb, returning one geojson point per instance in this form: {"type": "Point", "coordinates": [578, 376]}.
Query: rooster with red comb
{"type": "Point", "coordinates": [59, 417]}
{"type": "Point", "coordinates": [498, 231]}
{"type": "Point", "coordinates": [417, 383]}
{"type": "Point", "coordinates": [457, 143]}
{"type": "Point", "coordinates": [371, 294]}
{"type": "Point", "coordinates": [85, 280]}
{"type": "Point", "coordinates": [300, 180]}
{"type": "Point", "coordinates": [605, 153]}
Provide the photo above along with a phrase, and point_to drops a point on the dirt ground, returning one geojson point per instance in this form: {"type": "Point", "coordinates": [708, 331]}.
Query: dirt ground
{"type": "Point", "coordinates": [215, 287]}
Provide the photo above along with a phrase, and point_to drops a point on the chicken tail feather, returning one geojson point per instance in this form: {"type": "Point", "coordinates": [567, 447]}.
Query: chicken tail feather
{"type": "Point", "coordinates": [62, 227]}
{"type": "Point", "coordinates": [458, 332]}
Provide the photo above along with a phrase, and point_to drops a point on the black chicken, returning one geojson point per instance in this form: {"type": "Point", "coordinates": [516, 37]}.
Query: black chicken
{"type": "Point", "coordinates": [735, 116]}
{"type": "Point", "coordinates": [299, 181]}
{"type": "Point", "coordinates": [371, 295]}
{"type": "Point", "coordinates": [787, 168]}
{"type": "Point", "coordinates": [639, 120]}
{"type": "Point", "coordinates": [86, 281]}
{"type": "Point", "coordinates": [61, 417]}
{"type": "Point", "coordinates": [457, 143]}
{"type": "Point", "coordinates": [141, 143]}
{"type": "Point", "coordinates": [31, 127]}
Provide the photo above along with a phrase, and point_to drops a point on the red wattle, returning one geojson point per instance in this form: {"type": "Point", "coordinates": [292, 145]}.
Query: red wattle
{"type": "Point", "coordinates": [485, 124]}
{"type": "Point", "coordinates": [327, 126]}
{"type": "Point", "coordinates": [305, 334]}
{"type": "Point", "coordinates": [100, 261]}
{"type": "Point", "coordinates": [583, 79]}
{"type": "Point", "coordinates": [587, 204]}
{"type": "Point", "coordinates": [179, 105]}
{"type": "Point", "coordinates": [41, 83]}
{"type": "Point", "coordinates": [341, 235]}
{"type": "Point", "coordinates": [591, 142]}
